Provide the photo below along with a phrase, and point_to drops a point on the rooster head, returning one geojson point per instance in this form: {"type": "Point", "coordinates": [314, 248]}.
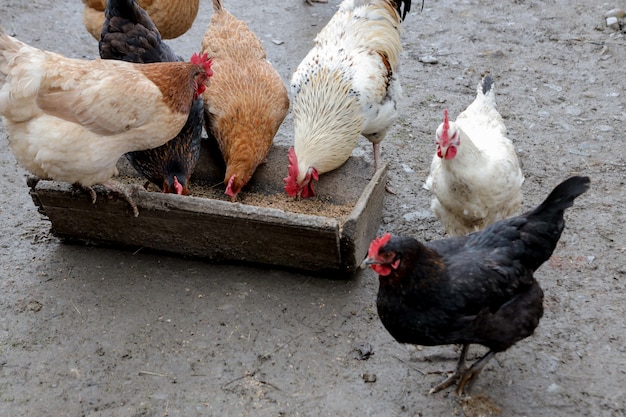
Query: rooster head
{"type": "Point", "coordinates": [448, 138]}
{"type": "Point", "coordinates": [380, 260]}
{"type": "Point", "coordinates": [303, 188]}
{"type": "Point", "coordinates": [175, 187]}
{"type": "Point", "coordinates": [201, 78]}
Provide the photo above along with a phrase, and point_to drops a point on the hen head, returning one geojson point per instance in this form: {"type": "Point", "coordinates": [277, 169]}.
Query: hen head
{"type": "Point", "coordinates": [202, 77]}
{"type": "Point", "coordinates": [303, 188]}
{"type": "Point", "coordinates": [175, 187]}
{"type": "Point", "coordinates": [382, 261]}
{"type": "Point", "coordinates": [234, 185]}
{"type": "Point", "coordinates": [448, 138]}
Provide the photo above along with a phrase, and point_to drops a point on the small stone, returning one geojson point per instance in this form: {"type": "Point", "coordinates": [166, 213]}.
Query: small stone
{"type": "Point", "coordinates": [612, 22]}
{"type": "Point", "coordinates": [277, 41]}
{"type": "Point", "coordinates": [363, 351]}
{"type": "Point", "coordinates": [369, 378]}
{"type": "Point", "coordinates": [428, 59]}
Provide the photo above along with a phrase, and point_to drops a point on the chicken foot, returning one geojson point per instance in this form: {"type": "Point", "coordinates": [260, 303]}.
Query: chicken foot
{"type": "Point", "coordinates": [123, 192]}
{"type": "Point", "coordinates": [89, 190]}
{"type": "Point", "coordinates": [458, 372]}
{"type": "Point", "coordinates": [114, 187]}
{"type": "Point", "coordinates": [462, 374]}
{"type": "Point", "coordinates": [473, 371]}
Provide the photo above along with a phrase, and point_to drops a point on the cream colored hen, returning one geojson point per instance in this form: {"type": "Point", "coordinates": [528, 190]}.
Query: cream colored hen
{"type": "Point", "coordinates": [475, 175]}
{"type": "Point", "coordinates": [71, 120]}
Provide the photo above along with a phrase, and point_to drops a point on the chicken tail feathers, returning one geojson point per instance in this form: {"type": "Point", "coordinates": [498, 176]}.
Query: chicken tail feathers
{"type": "Point", "coordinates": [562, 197]}
{"type": "Point", "coordinates": [545, 224]}
{"type": "Point", "coordinates": [486, 92]}
{"type": "Point", "coordinates": [217, 5]}
{"type": "Point", "coordinates": [486, 84]}
{"type": "Point", "coordinates": [403, 7]}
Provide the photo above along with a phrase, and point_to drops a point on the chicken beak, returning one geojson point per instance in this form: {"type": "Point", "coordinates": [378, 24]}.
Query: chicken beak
{"type": "Point", "coordinates": [368, 262]}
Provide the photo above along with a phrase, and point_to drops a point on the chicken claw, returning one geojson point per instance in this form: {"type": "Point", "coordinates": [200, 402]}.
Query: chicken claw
{"type": "Point", "coordinates": [458, 372]}
{"type": "Point", "coordinates": [76, 187]}
{"type": "Point", "coordinates": [473, 371]}
{"type": "Point", "coordinates": [310, 2]}
{"type": "Point", "coordinates": [462, 374]}
{"type": "Point", "coordinates": [123, 192]}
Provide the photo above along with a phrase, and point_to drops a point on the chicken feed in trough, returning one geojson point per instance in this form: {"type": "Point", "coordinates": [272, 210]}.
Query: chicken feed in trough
{"type": "Point", "coordinates": [328, 233]}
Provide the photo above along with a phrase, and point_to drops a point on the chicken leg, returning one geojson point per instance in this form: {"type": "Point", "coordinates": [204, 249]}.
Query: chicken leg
{"type": "Point", "coordinates": [473, 371]}
{"type": "Point", "coordinates": [458, 372]}
{"type": "Point", "coordinates": [462, 374]}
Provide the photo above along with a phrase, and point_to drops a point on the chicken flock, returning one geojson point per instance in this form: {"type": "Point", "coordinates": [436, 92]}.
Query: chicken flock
{"type": "Point", "coordinates": [475, 287]}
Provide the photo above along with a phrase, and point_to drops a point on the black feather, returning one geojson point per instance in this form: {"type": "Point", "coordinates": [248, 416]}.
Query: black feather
{"type": "Point", "coordinates": [478, 288]}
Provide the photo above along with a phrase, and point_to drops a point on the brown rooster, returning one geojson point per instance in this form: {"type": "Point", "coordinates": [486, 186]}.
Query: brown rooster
{"type": "Point", "coordinates": [128, 34]}
{"type": "Point", "coordinates": [477, 288]}
{"type": "Point", "coordinates": [71, 120]}
{"type": "Point", "coordinates": [246, 100]}
{"type": "Point", "coordinates": [171, 17]}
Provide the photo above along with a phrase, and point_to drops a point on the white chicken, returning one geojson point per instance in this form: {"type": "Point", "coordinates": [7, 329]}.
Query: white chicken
{"type": "Point", "coordinates": [475, 176]}
{"type": "Point", "coordinates": [346, 86]}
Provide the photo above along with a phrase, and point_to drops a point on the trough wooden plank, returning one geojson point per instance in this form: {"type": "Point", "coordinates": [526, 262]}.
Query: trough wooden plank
{"type": "Point", "coordinates": [196, 227]}
{"type": "Point", "coordinates": [362, 224]}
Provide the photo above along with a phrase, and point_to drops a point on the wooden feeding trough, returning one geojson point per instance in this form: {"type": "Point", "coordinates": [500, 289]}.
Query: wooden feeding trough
{"type": "Point", "coordinates": [216, 229]}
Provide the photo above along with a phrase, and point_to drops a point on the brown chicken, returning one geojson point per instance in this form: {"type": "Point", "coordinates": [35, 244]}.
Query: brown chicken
{"type": "Point", "coordinates": [71, 119]}
{"type": "Point", "coordinates": [129, 35]}
{"type": "Point", "coordinates": [477, 288]}
{"type": "Point", "coordinates": [246, 100]}
{"type": "Point", "coordinates": [171, 17]}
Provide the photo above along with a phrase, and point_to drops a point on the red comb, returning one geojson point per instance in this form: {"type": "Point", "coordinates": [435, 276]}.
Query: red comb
{"type": "Point", "coordinates": [204, 61]}
{"type": "Point", "coordinates": [444, 130]}
{"type": "Point", "coordinates": [377, 244]}
{"type": "Point", "coordinates": [177, 186]}
{"type": "Point", "coordinates": [229, 188]}
{"type": "Point", "coordinates": [291, 185]}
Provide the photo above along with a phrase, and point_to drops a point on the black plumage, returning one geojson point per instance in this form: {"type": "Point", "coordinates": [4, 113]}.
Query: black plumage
{"type": "Point", "coordinates": [403, 7]}
{"type": "Point", "coordinates": [477, 288]}
{"type": "Point", "coordinates": [128, 34]}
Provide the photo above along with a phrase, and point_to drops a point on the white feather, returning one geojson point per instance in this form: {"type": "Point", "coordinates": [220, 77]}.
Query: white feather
{"type": "Point", "coordinates": [344, 87]}
{"type": "Point", "coordinates": [482, 183]}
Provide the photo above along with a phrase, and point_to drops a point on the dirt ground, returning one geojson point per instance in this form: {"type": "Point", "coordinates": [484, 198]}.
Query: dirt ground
{"type": "Point", "coordinates": [87, 331]}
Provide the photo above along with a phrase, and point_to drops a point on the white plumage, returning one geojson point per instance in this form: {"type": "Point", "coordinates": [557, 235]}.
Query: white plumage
{"type": "Point", "coordinates": [475, 176]}
{"type": "Point", "coordinates": [346, 86]}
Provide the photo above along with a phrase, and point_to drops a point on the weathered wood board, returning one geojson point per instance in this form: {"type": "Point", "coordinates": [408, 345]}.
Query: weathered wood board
{"type": "Point", "coordinates": [219, 230]}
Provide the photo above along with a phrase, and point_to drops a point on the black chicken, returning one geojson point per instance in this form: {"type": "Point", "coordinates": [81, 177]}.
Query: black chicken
{"type": "Point", "coordinates": [477, 288]}
{"type": "Point", "coordinates": [128, 34]}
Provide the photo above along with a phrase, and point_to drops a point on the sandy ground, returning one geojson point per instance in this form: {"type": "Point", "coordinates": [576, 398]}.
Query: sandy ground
{"type": "Point", "coordinates": [88, 331]}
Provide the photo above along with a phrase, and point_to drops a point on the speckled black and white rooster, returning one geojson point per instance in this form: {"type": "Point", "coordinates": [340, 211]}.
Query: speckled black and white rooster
{"type": "Point", "coordinates": [475, 175]}
{"type": "Point", "coordinates": [346, 86]}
